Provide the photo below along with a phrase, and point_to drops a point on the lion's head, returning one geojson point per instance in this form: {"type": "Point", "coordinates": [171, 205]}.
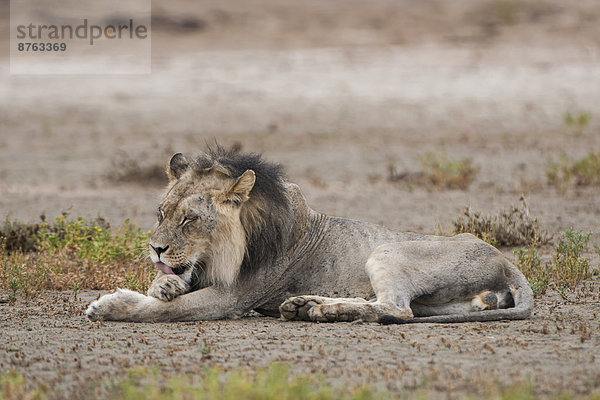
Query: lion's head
{"type": "Point", "coordinates": [223, 213]}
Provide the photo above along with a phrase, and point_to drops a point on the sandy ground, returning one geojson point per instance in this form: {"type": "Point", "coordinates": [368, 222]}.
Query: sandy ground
{"type": "Point", "coordinates": [51, 341]}
{"type": "Point", "coordinates": [337, 93]}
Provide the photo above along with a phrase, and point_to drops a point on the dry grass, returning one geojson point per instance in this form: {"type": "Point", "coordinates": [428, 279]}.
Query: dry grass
{"type": "Point", "coordinates": [130, 170]}
{"type": "Point", "coordinates": [510, 227]}
{"type": "Point", "coordinates": [18, 236]}
{"type": "Point", "coordinates": [72, 254]}
{"type": "Point", "coordinates": [438, 172]}
{"type": "Point", "coordinates": [581, 172]}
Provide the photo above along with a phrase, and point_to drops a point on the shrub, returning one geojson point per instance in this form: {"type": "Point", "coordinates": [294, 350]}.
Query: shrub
{"type": "Point", "coordinates": [582, 172]}
{"type": "Point", "coordinates": [570, 267]}
{"type": "Point", "coordinates": [93, 240]}
{"type": "Point", "coordinates": [445, 173]}
{"type": "Point", "coordinates": [578, 122]}
{"type": "Point", "coordinates": [17, 236]}
{"type": "Point", "coordinates": [129, 170]}
{"type": "Point", "coordinates": [70, 254]}
{"type": "Point", "coordinates": [530, 264]}
{"type": "Point", "coordinates": [509, 227]}
{"type": "Point", "coordinates": [438, 172]}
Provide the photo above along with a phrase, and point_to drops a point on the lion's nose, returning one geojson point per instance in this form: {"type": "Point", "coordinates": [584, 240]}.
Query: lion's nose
{"type": "Point", "coordinates": [159, 250]}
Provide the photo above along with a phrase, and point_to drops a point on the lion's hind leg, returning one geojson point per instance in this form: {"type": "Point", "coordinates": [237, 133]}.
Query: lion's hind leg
{"type": "Point", "coordinates": [327, 309]}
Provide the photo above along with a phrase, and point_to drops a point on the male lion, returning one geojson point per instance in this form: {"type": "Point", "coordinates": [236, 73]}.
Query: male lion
{"type": "Point", "coordinates": [234, 236]}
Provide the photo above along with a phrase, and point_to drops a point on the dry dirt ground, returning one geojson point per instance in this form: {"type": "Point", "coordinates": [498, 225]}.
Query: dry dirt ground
{"type": "Point", "coordinates": [49, 340]}
{"type": "Point", "coordinates": [337, 92]}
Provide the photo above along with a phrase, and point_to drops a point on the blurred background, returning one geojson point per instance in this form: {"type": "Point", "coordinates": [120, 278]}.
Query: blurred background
{"type": "Point", "coordinates": [360, 101]}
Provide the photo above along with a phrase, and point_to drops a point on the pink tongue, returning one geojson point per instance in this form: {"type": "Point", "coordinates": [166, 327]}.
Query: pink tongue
{"type": "Point", "coordinates": [164, 268]}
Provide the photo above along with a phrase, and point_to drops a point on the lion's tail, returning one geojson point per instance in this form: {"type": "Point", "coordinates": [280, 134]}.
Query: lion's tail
{"type": "Point", "coordinates": [520, 290]}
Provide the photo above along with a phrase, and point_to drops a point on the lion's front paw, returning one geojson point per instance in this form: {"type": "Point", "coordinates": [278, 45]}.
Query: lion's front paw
{"type": "Point", "coordinates": [296, 308]}
{"type": "Point", "coordinates": [121, 305]}
{"type": "Point", "coordinates": [167, 287]}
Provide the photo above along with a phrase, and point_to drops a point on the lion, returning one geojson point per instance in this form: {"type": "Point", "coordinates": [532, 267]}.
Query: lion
{"type": "Point", "coordinates": [233, 235]}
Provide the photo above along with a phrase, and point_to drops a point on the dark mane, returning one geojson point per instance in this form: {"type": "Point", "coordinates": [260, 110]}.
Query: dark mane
{"type": "Point", "coordinates": [267, 215]}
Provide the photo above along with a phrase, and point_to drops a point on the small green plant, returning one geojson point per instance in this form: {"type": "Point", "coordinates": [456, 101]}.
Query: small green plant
{"type": "Point", "coordinates": [274, 382]}
{"type": "Point", "coordinates": [558, 171]}
{"type": "Point", "coordinates": [578, 122]}
{"type": "Point", "coordinates": [582, 172]}
{"type": "Point", "coordinates": [12, 387]}
{"type": "Point", "coordinates": [530, 264]}
{"type": "Point", "coordinates": [141, 278]}
{"type": "Point", "coordinates": [510, 227]}
{"type": "Point", "coordinates": [91, 240]}
{"type": "Point", "coordinates": [74, 254]}
{"type": "Point", "coordinates": [438, 172]}
{"type": "Point", "coordinates": [443, 172]}
{"type": "Point", "coordinates": [13, 285]}
{"type": "Point", "coordinates": [570, 266]}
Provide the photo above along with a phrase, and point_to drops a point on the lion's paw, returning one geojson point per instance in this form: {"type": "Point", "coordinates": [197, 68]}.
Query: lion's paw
{"type": "Point", "coordinates": [167, 287]}
{"type": "Point", "coordinates": [336, 312]}
{"type": "Point", "coordinates": [353, 311]}
{"type": "Point", "coordinates": [296, 308]}
{"type": "Point", "coordinates": [118, 306]}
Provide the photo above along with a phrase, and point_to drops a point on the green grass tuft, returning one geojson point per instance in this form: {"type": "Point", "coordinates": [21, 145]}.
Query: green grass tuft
{"type": "Point", "coordinates": [72, 254]}
{"type": "Point", "coordinates": [570, 266]}
{"type": "Point", "coordinates": [272, 383]}
{"type": "Point", "coordinates": [91, 240]}
{"type": "Point", "coordinates": [577, 123]}
{"type": "Point", "coordinates": [438, 172]}
{"type": "Point", "coordinates": [530, 264]}
{"type": "Point", "coordinates": [582, 172]}
{"type": "Point", "coordinates": [445, 173]}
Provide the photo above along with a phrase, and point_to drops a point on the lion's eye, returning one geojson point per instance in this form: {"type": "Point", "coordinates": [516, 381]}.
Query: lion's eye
{"type": "Point", "coordinates": [187, 219]}
{"type": "Point", "coordinates": [160, 215]}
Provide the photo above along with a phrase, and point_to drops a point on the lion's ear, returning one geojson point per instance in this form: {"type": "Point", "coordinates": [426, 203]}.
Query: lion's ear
{"type": "Point", "coordinates": [177, 166]}
{"type": "Point", "coordinates": [240, 190]}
